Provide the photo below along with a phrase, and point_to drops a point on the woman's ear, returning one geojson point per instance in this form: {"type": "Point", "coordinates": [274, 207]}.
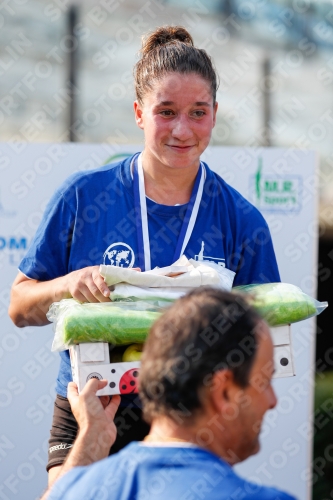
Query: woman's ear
{"type": "Point", "coordinates": [138, 114]}
{"type": "Point", "coordinates": [216, 105]}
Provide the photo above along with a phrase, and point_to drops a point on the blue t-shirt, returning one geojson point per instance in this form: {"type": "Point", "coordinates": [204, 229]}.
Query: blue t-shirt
{"type": "Point", "coordinates": [91, 220]}
{"type": "Point", "coordinates": [160, 473]}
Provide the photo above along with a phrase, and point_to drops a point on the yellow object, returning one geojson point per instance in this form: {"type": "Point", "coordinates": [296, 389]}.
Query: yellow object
{"type": "Point", "coordinates": [133, 353]}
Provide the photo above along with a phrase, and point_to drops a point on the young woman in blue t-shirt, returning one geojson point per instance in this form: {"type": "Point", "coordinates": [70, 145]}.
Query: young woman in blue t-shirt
{"type": "Point", "coordinates": [184, 207]}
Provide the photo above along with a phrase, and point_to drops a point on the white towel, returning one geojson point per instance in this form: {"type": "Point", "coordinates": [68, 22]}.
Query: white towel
{"type": "Point", "coordinates": [200, 273]}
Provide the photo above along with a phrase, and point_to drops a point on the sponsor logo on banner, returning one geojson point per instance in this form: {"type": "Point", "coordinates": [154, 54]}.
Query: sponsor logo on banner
{"type": "Point", "coordinates": [275, 193]}
{"type": "Point", "coordinates": [119, 254]}
{"type": "Point", "coordinates": [13, 249]}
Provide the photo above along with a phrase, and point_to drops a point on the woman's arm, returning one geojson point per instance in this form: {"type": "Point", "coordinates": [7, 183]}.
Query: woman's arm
{"type": "Point", "coordinates": [31, 299]}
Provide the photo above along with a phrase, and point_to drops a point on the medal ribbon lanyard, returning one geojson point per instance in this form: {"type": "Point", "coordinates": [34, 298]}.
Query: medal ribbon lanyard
{"type": "Point", "coordinates": [142, 218]}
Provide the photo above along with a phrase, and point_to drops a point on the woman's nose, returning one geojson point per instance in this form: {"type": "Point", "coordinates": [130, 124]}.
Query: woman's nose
{"type": "Point", "coordinates": [181, 129]}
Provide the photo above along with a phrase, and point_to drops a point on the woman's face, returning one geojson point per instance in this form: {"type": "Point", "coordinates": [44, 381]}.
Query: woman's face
{"type": "Point", "coordinates": [177, 117]}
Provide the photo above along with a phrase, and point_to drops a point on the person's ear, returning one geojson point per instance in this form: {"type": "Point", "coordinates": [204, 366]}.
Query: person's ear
{"type": "Point", "coordinates": [138, 114]}
{"type": "Point", "coordinates": [216, 105]}
{"type": "Point", "coordinates": [222, 389]}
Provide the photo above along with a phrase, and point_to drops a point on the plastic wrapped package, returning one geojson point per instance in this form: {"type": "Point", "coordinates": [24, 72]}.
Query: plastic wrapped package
{"type": "Point", "coordinates": [118, 323]}
{"type": "Point", "coordinates": [281, 303]}
{"type": "Point", "coordinates": [162, 297]}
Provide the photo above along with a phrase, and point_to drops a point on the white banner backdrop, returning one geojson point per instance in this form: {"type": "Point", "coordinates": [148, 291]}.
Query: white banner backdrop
{"type": "Point", "coordinates": [281, 183]}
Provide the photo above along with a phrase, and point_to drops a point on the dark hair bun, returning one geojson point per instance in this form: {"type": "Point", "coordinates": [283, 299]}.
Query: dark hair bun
{"type": "Point", "coordinates": [166, 35]}
{"type": "Point", "coordinates": [170, 49]}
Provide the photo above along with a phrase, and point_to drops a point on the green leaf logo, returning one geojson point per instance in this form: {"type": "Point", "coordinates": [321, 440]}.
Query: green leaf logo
{"type": "Point", "coordinates": [258, 176]}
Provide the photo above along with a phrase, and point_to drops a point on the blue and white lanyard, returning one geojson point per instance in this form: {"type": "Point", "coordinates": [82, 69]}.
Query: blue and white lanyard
{"type": "Point", "coordinates": [142, 219]}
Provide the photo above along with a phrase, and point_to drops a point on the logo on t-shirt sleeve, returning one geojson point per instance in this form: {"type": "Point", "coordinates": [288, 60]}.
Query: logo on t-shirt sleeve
{"type": "Point", "coordinates": [201, 257]}
{"type": "Point", "coordinates": [119, 254]}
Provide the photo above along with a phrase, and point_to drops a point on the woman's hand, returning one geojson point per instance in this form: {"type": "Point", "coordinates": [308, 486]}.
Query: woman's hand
{"type": "Point", "coordinates": [31, 299]}
{"type": "Point", "coordinates": [87, 285]}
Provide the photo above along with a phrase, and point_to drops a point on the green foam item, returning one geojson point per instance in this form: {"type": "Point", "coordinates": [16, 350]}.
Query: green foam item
{"type": "Point", "coordinates": [114, 323]}
{"type": "Point", "coordinates": [281, 303]}
{"type": "Point", "coordinates": [116, 326]}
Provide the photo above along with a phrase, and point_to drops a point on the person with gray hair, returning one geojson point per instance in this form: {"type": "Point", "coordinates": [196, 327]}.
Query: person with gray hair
{"type": "Point", "coordinates": [205, 386]}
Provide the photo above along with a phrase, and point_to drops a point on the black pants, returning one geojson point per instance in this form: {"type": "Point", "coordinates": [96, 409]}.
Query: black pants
{"type": "Point", "coordinates": [129, 423]}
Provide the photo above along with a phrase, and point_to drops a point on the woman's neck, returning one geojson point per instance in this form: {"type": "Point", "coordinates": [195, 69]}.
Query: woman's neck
{"type": "Point", "coordinates": [168, 186]}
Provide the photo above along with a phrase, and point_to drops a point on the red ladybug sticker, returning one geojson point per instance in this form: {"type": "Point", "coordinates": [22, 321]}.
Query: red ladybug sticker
{"type": "Point", "coordinates": [129, 382]}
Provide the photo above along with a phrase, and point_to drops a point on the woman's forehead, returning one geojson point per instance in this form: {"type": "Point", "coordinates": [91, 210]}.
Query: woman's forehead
{"type": "Point", "coordinates": [173, 85]}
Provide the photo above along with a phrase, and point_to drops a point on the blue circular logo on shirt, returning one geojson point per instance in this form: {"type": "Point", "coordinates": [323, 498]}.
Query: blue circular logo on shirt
{"type": "Point", "coordinates": [119, 255]}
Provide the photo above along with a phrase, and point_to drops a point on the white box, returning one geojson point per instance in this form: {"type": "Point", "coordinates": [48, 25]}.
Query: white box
{"type": "Point", "coordinates": [92, 360]}
{"type": "Point", "coordinates": [283, 354]}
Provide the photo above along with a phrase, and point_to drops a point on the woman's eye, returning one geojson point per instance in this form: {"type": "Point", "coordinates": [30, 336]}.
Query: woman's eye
{"type": "Point", "coordinates": [198, 113]}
